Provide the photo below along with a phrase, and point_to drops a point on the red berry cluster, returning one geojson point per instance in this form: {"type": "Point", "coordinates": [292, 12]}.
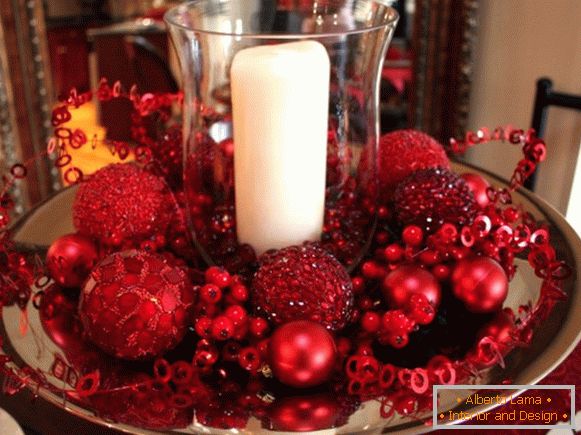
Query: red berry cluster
{"type": "Point", "coordinates": [226, 330]}
{"type": "Point", "coordinates": [394, 326]}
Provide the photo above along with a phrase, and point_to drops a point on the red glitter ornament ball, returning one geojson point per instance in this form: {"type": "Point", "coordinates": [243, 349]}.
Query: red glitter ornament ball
{"type": "Point", "coordinates": [302, 354]}
{"type": "Point", "coordinates": [481, 283]}
{"type": "Point", "coordinates": [478, 185]}
{"type": "Point", "coordinates": [431, 197]}
{"type": "Point", "coordinates": [407, 280]}
{"type": "Point", "coordinates": [136, 305]}
{"type": "Point", "coordinates": [303, 283]}
{"type": "Point", "coordinates": [122, 202]}
{"type": "Point", "coordinates": [402, 152]}
{"type": "Point", "coordinates": [70, 259]}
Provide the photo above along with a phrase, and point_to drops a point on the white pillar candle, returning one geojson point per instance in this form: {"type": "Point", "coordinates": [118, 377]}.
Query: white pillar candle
{"type": "Point", "coordinates": [280, 97]}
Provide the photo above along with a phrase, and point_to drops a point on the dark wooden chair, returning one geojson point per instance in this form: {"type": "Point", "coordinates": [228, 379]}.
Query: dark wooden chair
{"type": "Point", "coordinates": [545, 97]}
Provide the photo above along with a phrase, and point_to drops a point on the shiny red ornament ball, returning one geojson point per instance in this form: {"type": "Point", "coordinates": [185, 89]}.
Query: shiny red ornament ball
{"type": "Point", "coordinates": [407, 280]}
{"type": "Point", "coordinates": [136, 305]}
{"type": "Point", "coordinates": [431, 197]}
{"type": "Point", "coordinates": [478, 185]}
{"type": "Point", "coordinates": [501, 329]}
{"type": "Point", "coordinates": [302, 354]}
{"type": "Point", "coordinates": [122, 203]}
{"type": "Point", "coordinates": [70, 259]}
{"type": "Point", "coordinates": [304, 413]}
{"type": "Point", "coordinates": [481, 283]}
{"type": "Point", "coordinates": [303, 283]}
{"type": "Point", "coordinates": [403, 152]}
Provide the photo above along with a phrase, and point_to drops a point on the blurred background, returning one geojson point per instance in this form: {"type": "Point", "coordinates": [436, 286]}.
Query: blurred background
{"type": "Point", "coordinates": [454, 65]}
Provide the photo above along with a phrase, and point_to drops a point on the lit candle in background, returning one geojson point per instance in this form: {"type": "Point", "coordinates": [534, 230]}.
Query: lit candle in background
{"type": "Point", "coordinates": [280, 97]}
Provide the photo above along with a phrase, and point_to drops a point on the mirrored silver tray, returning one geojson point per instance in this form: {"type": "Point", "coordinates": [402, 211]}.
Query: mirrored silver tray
{"type": "Point", "coordinates": [551, 344]}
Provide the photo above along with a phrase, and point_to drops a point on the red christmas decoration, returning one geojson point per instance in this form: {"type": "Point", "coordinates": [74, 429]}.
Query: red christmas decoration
{"type": "Point", "coordinates": [70, 259]}
{"type": "Point", "coordinates": [136, 305]}
{"type": "Point", "coordinates": [206, 381]}
{"type": "Point", "coordinates": [430, 197]}
{"type": "Point", "coordinates": [478, 185]}
{"type": "Point", "coordinates": [122, 203]}
{"type": "Point", "coordinates": [500, 329]}
{"type": "Point", "coordinates": [304, 413]}
{"type": "Point", "coordinates": [407, 280]}
{"type": "Point", "coordinates": [481, 283]}
{"type": "Point", "coordinates": [302, 354]}
{"type": "Point", "coordinates": [403, 152]}
{"type": "Point", "coordinates": [303, 283]}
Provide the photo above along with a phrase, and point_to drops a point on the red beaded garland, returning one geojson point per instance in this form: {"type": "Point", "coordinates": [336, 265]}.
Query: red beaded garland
{"type": "Point", "coordinates": [302, 354]}
{"type": "Point", "coordinates": [70, 259]}
{"type": "Point", "coordinates": [136, 305]}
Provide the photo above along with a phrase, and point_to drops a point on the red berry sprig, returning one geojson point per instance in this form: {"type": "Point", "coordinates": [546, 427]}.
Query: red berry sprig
{"type": "Point", "coordinates": [224, 325]}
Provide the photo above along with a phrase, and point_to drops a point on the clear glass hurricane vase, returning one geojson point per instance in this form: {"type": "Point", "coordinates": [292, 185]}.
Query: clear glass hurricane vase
{"type": "Point", "coordinates": [281, 123]}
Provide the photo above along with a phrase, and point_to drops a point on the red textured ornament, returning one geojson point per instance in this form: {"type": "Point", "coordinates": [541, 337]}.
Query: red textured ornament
{"type": "Point", "coordinates": [303, 283]}
{"type": "Point", "coordinates": [481, 283]}
{"type": "Point", "coordinates": [70, 259]}
{"type": "Point", "coordinates": [431, 197]}
{"type": "Point", "coordinates": [302, 354]}
{"type": "Point", "coordinates": [122, 202]}
{"type": "Point", "coordinates": [407, 280]}
{"type": "Point", "coordinates": [304, 414]}
{"type": "Point", "coordinates": [402, 152]}
{"type": "Point", "coordinates": [136, 305]}
{"type": "Point", "coordinates": [478, 185]}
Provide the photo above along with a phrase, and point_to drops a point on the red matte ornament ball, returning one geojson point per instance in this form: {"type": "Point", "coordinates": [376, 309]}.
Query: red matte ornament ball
{"type": "Point", "coordinates": [136, 305]}
{"type": "Point", "coordinates": [122, 203]}
{"type": "Point", "coordinates": [70, 259]}
{"type": "Point", "coordinates": [405, 281]}
{"type": "Point", "coordinates": [481, 283]}
{"type": "Point", "coordinates": [302, 354]}
{"type": "Point", "coordinates": [478, 185]}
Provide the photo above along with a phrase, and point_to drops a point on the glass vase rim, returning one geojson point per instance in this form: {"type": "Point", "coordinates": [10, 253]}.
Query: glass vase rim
{"type": "Point", "coordinates": [171, 18]}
